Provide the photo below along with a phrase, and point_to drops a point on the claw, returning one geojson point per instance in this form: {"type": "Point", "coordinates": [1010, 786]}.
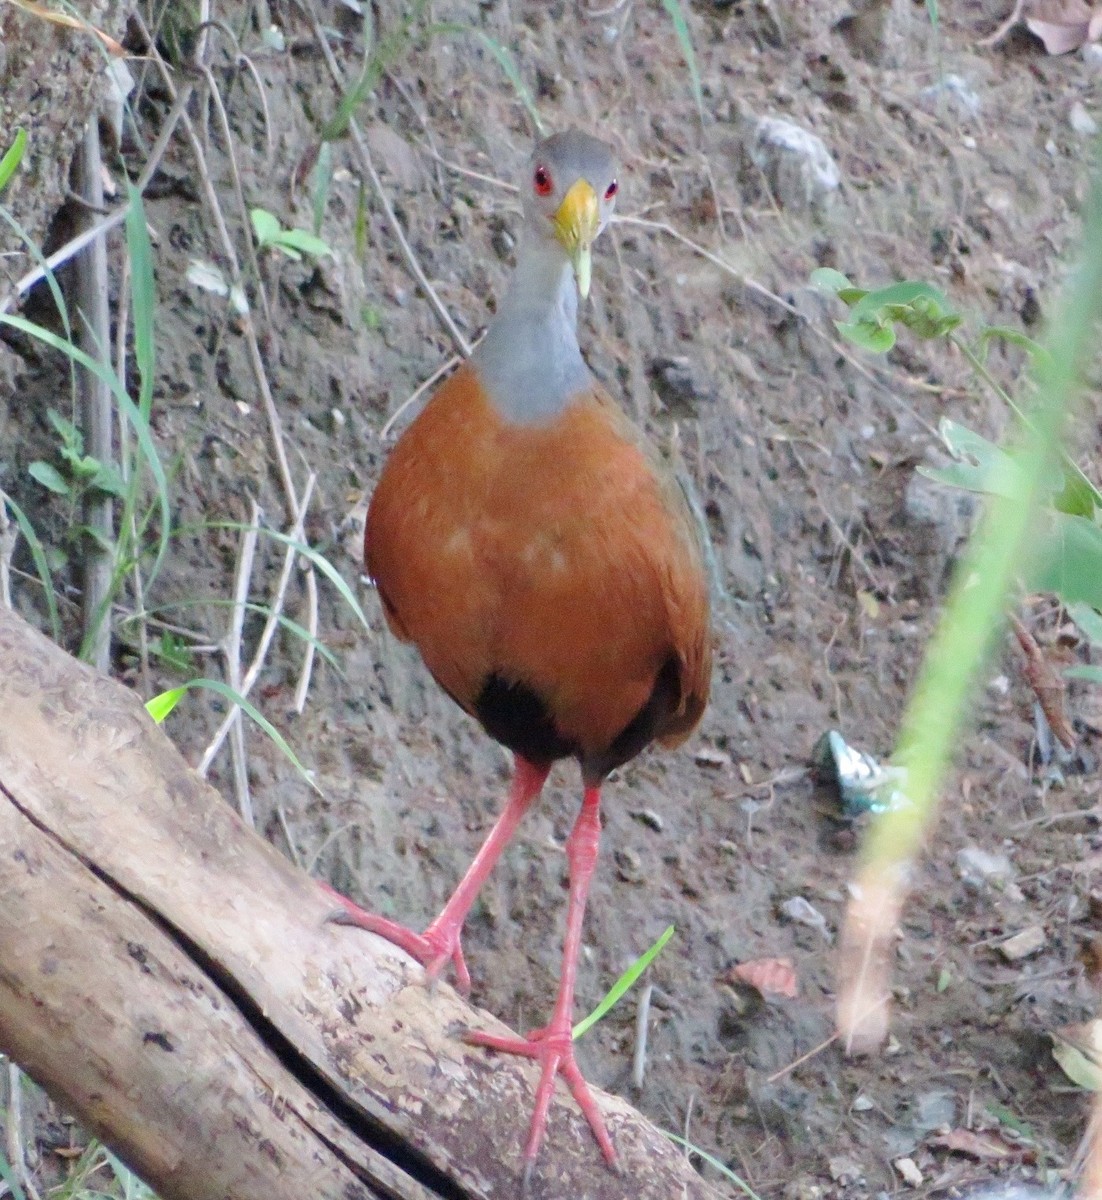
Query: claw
{"type": "Point", "coordinates": [554, 1048]}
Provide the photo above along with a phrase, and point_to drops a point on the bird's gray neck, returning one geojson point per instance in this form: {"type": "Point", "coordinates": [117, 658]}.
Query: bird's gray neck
{"type": "Point", "coordinates": [529, 361]}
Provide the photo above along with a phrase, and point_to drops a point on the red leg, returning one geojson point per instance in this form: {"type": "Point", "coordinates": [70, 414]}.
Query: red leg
{"type": "Point", "coordinates": [553, 1045]}
{"type": "Point", "coordinates": [440, 943]}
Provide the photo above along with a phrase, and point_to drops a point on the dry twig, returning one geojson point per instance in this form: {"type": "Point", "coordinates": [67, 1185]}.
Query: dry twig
{"type": "Point", "coordinates": [93, 334]}
{"type": "Point", "coordinates": [270, 626]}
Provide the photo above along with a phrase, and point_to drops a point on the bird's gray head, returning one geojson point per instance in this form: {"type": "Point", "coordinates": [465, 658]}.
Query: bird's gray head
{"type": "Point", "coordinates": [569, 192]}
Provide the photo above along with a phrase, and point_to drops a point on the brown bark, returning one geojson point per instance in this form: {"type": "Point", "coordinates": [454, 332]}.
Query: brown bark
{"type": "Point", "coordinates": [168, 976]}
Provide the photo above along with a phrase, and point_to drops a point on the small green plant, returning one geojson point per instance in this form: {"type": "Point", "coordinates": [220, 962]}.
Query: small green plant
{"type": "Point", "coordinates": [1005, 548]}
{"type": "Point", "coordinates": [1068, 552]}
{"type": "Point", "coordinates": [77, 475]}
{"type": "Point", "coordinates": [96, 1175]}
{"type": "Point", "coordinates": [626, 981]}
{"type": "Point", "coordinates": [294, 243]}
{"type": "Point", "coordinates": [13, 156]}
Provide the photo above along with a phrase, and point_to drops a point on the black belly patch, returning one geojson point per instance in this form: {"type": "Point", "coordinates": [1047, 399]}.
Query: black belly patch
{"type": "Point", "coordinates": [514, 715]}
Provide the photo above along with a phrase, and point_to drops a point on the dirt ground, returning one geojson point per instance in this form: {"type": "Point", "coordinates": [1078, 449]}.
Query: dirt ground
{"type": "Point", "coordinates": [831, 552]}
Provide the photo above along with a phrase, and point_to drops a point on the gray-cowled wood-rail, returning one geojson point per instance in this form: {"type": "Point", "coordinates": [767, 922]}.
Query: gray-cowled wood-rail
{"type": "Point", "coordinates": [532, 545]}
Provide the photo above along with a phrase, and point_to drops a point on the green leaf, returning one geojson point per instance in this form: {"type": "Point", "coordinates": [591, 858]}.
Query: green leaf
{"type": "Point", "coordinates": [981, 467]}
{"type": "Point", "coordinates": [163, 703]}
{"type": "Point", "coordinates": [169, 700]}
{"type": "Point", "coordinates": [1090, 674]}
{"type": "Point", "coordinates": [1080, 1069]}
{"type": "Point", "coordinates": [50, 477]}
{"type": "Point", "coordinates": [827, 279]}
{"type": "Point", "coordinates": [1014, 337]}
{"type": "Point", "coordinates": [868, 334]}
{"type": "Point", "coordinates": [1078, 497]}
{"type": "Point", "coordinates": [1069, 561]}
{"type": "Point", "coordinates": [622, 984]}
{"type": "Point", "coordinates": [71, 437]}
{"type": "Point", "coordinates": [41, 565]}
{"type": "Point", "coordinates": [107, 479]}
{"type": "Point", "coordinates": [899, 294]}
{"type": "Point", "coordinates": [301, 239]}
{"type": "Point", "coordinates": [1089, 621]}
{"type": "Point", "coordinates": [13, 156]}
{"type": "Point", "coordinates": [130, 411]}
{"type": "Point", "coordinates": [266, 226]}
{"type": "Point", "coordinates": [944, 979]}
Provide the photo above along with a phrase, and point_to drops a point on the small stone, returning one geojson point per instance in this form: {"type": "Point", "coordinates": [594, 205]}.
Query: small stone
{"type": "Point", "coordinates": [680, 385]}
{"type": "Point", "coordinates": [1023, 944]}
{"type": "Point", "coordinates": [977, 866]}
{"type": "Point", "coordinates": [628, 865]}
{"type": "Point", "coordinates": [862, 1104]}
{"type": "Point", "coordinates": [1081, 120]}
{"type": "Point", "coordinates": [709, 756]}
{"type": "Point", "coordinates": [908, 1171]}
{"type": "Point", "coordinates": [649, 818]}
{"type": "Point", "coordinates": [1091, 55]}
{"type": "Point", "coordinates": [796, 163]}
{"type": "Point", "coordinates": [954, 92]}
{"type": "Point", "coordinates": [844, 1169]}
{"type": "Point", "coordinates": [503, 243]}
{"type": "Point", "coordinates": [803, 912]}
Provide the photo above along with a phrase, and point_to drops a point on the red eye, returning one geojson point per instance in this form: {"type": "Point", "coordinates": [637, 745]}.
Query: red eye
{"type": "Point", "coordinates": [542, 181]}
{"type": "Point", "coordinates": [611, 190]}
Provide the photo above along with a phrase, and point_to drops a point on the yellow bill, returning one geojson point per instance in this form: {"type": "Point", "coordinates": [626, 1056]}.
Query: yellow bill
{"type": "Point", "coordinates": [576, 225]}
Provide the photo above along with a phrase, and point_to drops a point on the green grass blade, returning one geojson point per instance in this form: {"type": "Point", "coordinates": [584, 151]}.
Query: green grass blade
{"type": "Point", "coordinates": [712, 1161]}
{"type": "Point", "coordinates": [385, 54]}
{"type": "Point", "coordinates": [505, 61]}
{"type": "Point", "coordinates": [40, 259]}
{"type": "Point", "coordinates": [41, 566]}
{"type": "Point", "coordinates": [997, 553]}
{"type": "Point", "coordinates": [130, 410]}
{"type": "Point", "coordinates": [13, 156]}
{"type": "Point", "coordinates": [308, 552]}
{"type": "Point", "coordinates": [160, 706]}
{"type": "Point", "coordinates": [263, 610]}
{"type": "Point", "coordinates": [143, 296]}
{"type": "Point", "coordinates": [681, 28]}
{"type": "Point", "coordinates": [8, 1176]}
{"type": "Point", "coordinates": [167, 701]}
{"type": "Point", "coordinates": [627, 980]}
{"type": "Point", "coordinates": [931, 9]}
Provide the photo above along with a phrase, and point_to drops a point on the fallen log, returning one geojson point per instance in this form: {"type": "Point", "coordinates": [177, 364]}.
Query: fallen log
{"type": "Point", "coordinates": [168, 977]}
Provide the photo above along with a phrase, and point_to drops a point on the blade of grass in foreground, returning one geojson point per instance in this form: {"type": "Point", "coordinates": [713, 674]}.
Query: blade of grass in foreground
{"type": "Point", "coordinates": [163, 703]}
{"type": "Point", "coordinates": [712, 1161]}
{"type": "Point", "coordinates": [966, 634]}
{"type": "Point", "coordinates": [622, 984]}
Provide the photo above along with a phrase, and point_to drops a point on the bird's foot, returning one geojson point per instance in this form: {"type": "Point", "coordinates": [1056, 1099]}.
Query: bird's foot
{"type": "Point", "coordinates": [433, 949]}
{"type": "Point", "coordinates": [553, 1047]}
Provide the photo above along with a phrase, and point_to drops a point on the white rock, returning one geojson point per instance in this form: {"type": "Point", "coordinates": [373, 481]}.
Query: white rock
{"type": "Point", "coordinates": [795, 162]}
{"type": "Point", "coordinates": [908, 1171]}
{"type": "Point", "coordinates": [1081, 120]}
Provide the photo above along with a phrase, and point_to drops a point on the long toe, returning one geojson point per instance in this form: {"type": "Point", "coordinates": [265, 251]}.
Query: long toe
{"type": "Point", "coordinates": [555, 1052]}
{"type": "Point", "coordinates": [433, 949]}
